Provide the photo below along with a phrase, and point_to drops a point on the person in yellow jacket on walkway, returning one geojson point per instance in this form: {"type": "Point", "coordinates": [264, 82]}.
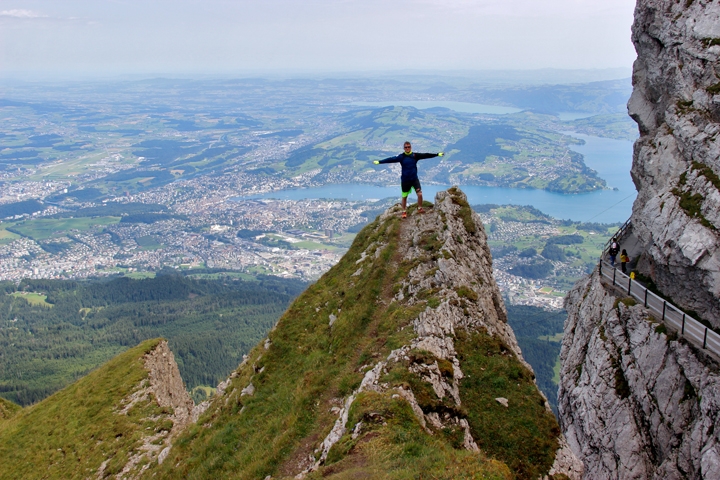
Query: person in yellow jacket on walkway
{"type": "Point", "coordinates": [624, 259]}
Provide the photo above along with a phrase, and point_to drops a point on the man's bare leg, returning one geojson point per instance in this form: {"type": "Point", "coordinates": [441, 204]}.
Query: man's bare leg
{"type": "Point", "coordinates": [420, 202]}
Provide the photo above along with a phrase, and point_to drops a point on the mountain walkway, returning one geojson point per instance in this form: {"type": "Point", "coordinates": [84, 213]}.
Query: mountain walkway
{"type": "Point", "coordinates": [686, 326]}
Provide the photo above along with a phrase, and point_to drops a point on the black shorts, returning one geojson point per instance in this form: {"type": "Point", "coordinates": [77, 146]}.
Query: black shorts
{"type": "Point", "coordinates": [406, 185]}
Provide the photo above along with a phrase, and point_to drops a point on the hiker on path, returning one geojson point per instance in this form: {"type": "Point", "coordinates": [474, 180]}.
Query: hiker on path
{"type": "Point", "coordinates": [624, 259]}
{"type": "Point", "coordinates": [409, 177]}
{"type": "Point", "coordinates": [613, 251]}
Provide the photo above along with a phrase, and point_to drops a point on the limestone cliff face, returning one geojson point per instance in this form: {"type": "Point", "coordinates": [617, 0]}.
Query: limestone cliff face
{"type": "Point", "coordinates": [635, 403]}
{"type": "Point", "coordinates": [165, 386]}
{"type": "Point", "coordinates": [676, 103]}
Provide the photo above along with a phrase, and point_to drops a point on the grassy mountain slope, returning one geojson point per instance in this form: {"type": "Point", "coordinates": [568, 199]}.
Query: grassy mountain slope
{"type": "Point", "coordinates": [8, 409]}
{"type": "Point", "coordinates": [390, 366]}
{"type": "Point", "coordinates": [91, 428]}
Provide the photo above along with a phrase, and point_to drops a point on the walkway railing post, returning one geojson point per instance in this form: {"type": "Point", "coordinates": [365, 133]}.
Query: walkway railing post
{"type": "Point", "coordinates": [664, 305]}
{"type": "Point", "coordinates": [646, 297]}
{"type": "Point", "coordinates": [629, 285]}
{"type": "Point", "coordinates": [601, 267]}
{"type": "Point", "coordinates": [614, 272]}
{"type": "Point", "coordinates": [682, 332]}
{"type": "Point", "coordinates": [705, 339]}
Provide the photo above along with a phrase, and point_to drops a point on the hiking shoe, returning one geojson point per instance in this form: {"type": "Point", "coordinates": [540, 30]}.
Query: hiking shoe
{"type": "Point", "coordinates": [421, 210]}
{"type": "Point", "coordinates": [404, 215]}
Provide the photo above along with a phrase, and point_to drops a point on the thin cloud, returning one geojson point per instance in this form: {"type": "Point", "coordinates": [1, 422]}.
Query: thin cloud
{"type": "Point", "coordinates": [21, 14]}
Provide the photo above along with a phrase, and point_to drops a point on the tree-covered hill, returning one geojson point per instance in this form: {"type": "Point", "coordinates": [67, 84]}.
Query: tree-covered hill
{"type": "Point", "coordinates": [52, 331]}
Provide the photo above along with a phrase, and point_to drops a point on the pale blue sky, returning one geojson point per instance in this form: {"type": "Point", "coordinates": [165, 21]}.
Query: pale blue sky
{"type": "Point", "coordinates": [101, 37]}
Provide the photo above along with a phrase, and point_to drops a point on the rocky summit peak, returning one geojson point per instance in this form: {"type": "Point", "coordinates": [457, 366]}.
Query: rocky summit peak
{"type": "Point", "coordinates": [398, 362]}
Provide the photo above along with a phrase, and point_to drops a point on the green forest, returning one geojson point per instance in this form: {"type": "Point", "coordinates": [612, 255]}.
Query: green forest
{"type": "Point", "coordinates": [53, 332]}
{"type": "Point", "coordinates": [538, 333]}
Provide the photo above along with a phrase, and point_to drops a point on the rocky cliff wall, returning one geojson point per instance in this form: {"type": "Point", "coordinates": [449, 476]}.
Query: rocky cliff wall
{"type": "Point", "coordinates": [676, 164]}
{"type": "Point", "coordinates": [165, 386]}
{"type": "Point", "coordinates": [634, 401]}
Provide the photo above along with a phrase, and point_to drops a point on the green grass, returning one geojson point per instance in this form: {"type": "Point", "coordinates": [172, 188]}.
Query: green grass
{"type": "Point", "coordinates": [148, 242]}
{"type": "Point", "coordinates": [33, 298]}
{"type": "Point", "coordinates": [7, 237]}
{"type": "Point", "coordinates": [221, 275]}
{"type": "Point", "coordinates": [556, 372]}
{"type": "Point", "coordinates": [310, 367]}
{"type": "Point", "coordinates": [44, 228]}
{"type": "Point", "coordinates": [552, 338]}
{"type": "Point", "coordinates": [8, 409]}
{"type": "Point", "coordinates": [713, 89]}
{"type": "Point", "coordinates": [310, 245]}
{"type": "Point", "coordinates": [394, 447]}
{"type": "Point", "coordinates": [70, 434]}
{"type": "Point", "coordinates": [140, 275]}
{"type": "Point", "coordinates": [524, 435]}
{"type": "Point", "coordinates": [201, 393]}
{"type": "Point", "coordinates": [303, 371]}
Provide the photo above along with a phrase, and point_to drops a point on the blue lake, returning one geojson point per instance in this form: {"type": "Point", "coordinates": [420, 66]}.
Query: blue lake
{"type": "Point", "coordinates": [610, 158]}
{"type": "Point", "coordinates": [604, 206]}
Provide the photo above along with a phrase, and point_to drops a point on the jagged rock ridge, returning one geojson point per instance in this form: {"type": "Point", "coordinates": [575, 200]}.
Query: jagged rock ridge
{"type": "Point", "coordinates": [398, 360]}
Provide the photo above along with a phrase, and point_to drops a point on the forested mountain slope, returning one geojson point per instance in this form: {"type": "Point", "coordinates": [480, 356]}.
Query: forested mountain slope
{"type": "Point", "coordinates": [53, 332]}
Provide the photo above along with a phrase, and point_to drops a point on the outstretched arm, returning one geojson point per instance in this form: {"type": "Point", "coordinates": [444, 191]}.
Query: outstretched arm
{"type": "Point", "coordinates": [422, 156]}
{"type": "Point", "coordinates": [388, 160]}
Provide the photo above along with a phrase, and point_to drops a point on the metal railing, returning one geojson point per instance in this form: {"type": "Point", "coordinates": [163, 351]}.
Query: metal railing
{"type": "Point", "coordinates": [686, 326]}
{"type": "Point", "coordinates": [619, 235]}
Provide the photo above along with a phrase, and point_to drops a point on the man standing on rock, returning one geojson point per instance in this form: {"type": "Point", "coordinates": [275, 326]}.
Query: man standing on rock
{"type": "Point", "coordinates": [409, 177]}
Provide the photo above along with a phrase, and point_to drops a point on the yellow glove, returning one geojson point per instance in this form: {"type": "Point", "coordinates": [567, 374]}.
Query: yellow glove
{"type": "Point", "coordinates": [440, 154]}
{"type": "Point", "coordinates": [376, 162]}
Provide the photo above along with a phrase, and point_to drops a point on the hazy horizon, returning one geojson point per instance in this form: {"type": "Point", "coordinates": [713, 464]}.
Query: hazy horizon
{"type": "Point", "coordinates": [484, 77]}
{"type": "Point", "coordinates": [44, 39]}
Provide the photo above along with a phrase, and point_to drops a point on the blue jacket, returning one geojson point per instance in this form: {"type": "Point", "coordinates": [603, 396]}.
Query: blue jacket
{"type": "Point", "coordinates": [408, 161]}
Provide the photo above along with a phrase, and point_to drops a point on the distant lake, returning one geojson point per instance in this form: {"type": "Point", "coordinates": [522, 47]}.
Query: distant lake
{"type": "Point", "coordinates": [464, 107]}
{"type": "Point", "coordinates": [578, 207]}
{"type": "Point", "coordinates": [612, 160]}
